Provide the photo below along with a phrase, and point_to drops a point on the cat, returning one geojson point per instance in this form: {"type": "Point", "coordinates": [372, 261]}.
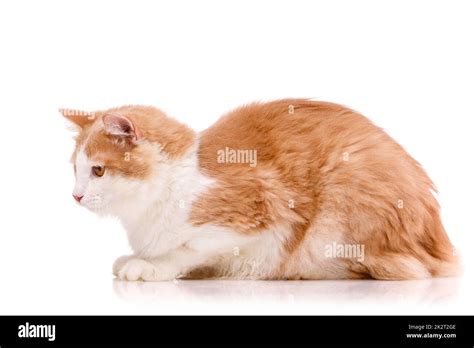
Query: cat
{"type": "Point", "coordinates": [288, 189]}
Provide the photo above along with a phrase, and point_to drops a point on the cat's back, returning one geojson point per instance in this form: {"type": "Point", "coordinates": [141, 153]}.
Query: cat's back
{"type": "Point", "coordinates": [287, 130]}
{"type": "Point", "coordinates": [323, 174]}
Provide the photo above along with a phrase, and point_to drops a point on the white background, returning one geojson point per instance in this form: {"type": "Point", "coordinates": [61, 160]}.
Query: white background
{"type": "Point", "coordinates": [407, 65]}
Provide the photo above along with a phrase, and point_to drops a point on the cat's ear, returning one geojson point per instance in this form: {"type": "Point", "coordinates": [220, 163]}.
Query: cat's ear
{"type": "Point", "coordinates": [79, 118]}
{"type": "Point", "coordinates": [120, 126]}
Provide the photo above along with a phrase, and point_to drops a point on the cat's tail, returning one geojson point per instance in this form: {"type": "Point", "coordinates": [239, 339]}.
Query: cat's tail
{"type": "Point", "coordinates": [441, 258]}
{"type": "Point", "coordinates": [448, 268]}
{"type": "Point", "coordinates": [428, 254]}
{"type": "Point", "coordinates": [401, 266]}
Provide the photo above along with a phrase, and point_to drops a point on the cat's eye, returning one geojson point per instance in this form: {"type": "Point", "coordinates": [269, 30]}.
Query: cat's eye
{"type": "Point", "coordinates": [98, 171]}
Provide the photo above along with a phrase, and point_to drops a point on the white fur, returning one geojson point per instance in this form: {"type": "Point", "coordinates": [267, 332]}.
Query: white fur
{"type": "Point", "coordinates": [155, 215]}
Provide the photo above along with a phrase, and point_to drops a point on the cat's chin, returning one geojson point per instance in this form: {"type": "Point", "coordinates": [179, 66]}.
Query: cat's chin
{"type": "Point", "coordinates": [98, 210]}
{"type": "Point", "coordinates": [106, 210]}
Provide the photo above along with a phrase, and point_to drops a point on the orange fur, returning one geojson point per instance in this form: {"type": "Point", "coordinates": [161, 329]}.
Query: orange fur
{"type": "Point", "coordinates": [323, 170]}
{"type": "Point", "coordinates": [325, 158]}
{"type": "Point", "coordinates": [123, 156]}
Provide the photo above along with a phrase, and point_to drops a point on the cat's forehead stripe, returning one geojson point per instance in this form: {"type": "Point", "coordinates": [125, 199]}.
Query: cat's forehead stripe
{"type": "Point", "coordinates": [98, 148]}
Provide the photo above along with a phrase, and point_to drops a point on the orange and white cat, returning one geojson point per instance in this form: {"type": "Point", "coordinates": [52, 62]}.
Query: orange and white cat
{"type": "Point", "coordinates": [290, 189]}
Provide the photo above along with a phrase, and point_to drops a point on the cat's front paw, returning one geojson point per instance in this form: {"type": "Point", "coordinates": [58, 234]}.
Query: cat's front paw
{"type": "Point", "coordinates": [138, 269]}
{"type": "Point", "coordinates": [120, 262]}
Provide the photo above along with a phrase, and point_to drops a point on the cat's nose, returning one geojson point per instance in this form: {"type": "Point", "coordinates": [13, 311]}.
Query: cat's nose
{"type": "Point", "coordinates": [77, 198]}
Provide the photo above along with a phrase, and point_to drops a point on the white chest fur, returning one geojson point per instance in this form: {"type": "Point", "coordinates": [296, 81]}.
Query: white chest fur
{"type": "Point", "coordinates": [157, 226]}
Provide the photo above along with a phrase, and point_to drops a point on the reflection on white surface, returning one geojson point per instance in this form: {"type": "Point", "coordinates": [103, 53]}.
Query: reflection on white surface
{"type": "Point", "coordinates": [429, 291]}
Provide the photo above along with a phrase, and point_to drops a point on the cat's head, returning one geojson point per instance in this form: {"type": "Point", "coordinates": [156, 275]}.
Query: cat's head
{"type": "Point", "coordinates": [121, 153]}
